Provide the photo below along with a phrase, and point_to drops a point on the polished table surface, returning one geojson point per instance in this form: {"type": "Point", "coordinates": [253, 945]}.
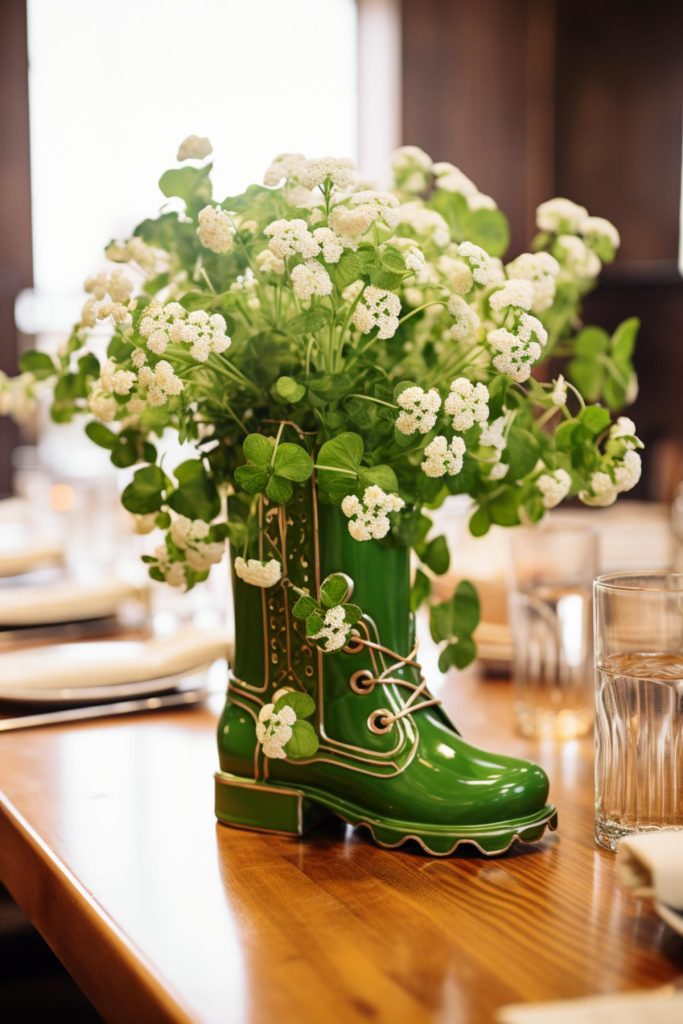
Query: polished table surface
{"type": "Point", "coordinates": [108, 841]}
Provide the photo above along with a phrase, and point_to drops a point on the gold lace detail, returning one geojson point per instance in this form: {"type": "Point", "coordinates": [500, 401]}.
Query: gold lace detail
{"type": "Point", "coordinates": [363, 682]}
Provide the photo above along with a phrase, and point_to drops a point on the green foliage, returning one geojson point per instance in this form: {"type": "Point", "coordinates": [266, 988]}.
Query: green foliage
{"type": "Point", "coordinates": [40, 364]}
{"type": "Point", "coordinates": [454, 622]}
{"type": "Point", "coordinates": [271, 468]}
{"type": "Point", "coordinates": [602, 366]}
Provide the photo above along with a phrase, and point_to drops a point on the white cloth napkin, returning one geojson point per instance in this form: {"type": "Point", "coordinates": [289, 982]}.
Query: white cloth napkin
{"type": "Point", "coordinates": [109, 662]}
{"type": "Point", "coordinates": [661, 1006]}
{"type": "Point", "coordinates": [651, 864]}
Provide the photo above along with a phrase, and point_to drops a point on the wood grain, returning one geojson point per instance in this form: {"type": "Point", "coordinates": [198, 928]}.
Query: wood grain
{"type": "Point", "coordinates": [107, 840]}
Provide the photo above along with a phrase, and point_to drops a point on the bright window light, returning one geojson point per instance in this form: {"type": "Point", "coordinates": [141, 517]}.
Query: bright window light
{"type": "Point", "coordinates": [115, 87]}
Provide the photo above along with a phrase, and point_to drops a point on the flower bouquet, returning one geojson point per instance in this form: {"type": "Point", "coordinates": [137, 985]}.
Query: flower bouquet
{"type": "Point", "coordinates": [343, 359]}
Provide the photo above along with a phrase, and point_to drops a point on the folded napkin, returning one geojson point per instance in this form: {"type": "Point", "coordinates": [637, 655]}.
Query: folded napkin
{"type": "Point", "coordinates": [651, 864]}
{"type": "Point", "coordinates": [99, 663]}
{"type": "Point", "coordinates": [63, 601]}
{"type": "Point", "coordinates": [661, 1006]}
{"type": "Point", "coordinates": [22, 555]}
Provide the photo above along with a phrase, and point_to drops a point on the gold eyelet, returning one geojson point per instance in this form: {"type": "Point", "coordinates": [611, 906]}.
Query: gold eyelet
{"type": "Point", "coordinates": [362, 681]}
{"type": "Point", "coordinates": [353, 645]}
{"type": "Point", "coordinates": [377, 721]}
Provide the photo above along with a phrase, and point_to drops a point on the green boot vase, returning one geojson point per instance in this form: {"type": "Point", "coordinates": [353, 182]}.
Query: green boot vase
{"type": "Point", "coordinates": [387, 755]}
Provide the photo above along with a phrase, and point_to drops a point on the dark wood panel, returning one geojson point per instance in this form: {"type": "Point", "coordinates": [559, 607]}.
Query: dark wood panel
{"type": "Point", "coordinates": [15, 197]}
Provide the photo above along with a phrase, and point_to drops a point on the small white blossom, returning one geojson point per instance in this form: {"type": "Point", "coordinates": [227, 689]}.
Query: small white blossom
{"type": "Point", "coordinates": [480, 201]}
{"type": "Point", "coordinates": [465, 320]}
{"type": "Point", "coordinates": [624, 427]}
{"type": "Point", "coordinates": [604, 490]}
{"type": "Point", "coordinates": [369, 516]}
{"type": "Point", "coordinates": [291, 238]}
{"type": "Point", "coordinates": [274, 729]}
{"type": "Point", "coordinates": [576, 257]}
{"type": "Point", "coordinates": [515, 357]}
{"type": "Point", "coordinates": [173, 571]}
{"type": "Point", "coordinates": [285, 165]}
{"type": "Point", "coordinates": [334, 630]}
{"type": "Point", "coordinates": [541, 269]}
{"type": "Point", "coordinates": [414, 257]}
{"type": "Point", "coordinates": [452, 179]}
{"type": "Point", "coordinates": [457, 275]}
{"type": "Point", "coordinates": [340, 170]}
{"type": "Point", "coordinates": [498, 470]}
{"type": "Point", "coordinates": [17, 396]}
{"type": "Point", "coordinates": [143, 524]}
{"type": "Point", "coordinates": [426, 223]}
{"type": "Point", "coordinates": [190, 535]}
{"type": "Point", "coordinates": [419, 409]}
{"type": "Point", "coordinates": [102, 404]}
{"type": "Point", "coordinates": [310, 279]}
{"type": "Point", "coordinates": [269, 263]}
{"type": "Point", "coordinates": [194, 147]}
{"type": "Point", "coordinates": [530, 328]}
{"type": "Point", "coordinates": [554, 487]}
{"type": "Point", "coordinates": [120, 382]}
{"type": "Point", "coordinates": [558, 395]}
{"type": "Point", "coordinates": [487, 271]}
{"type": "Point", "coordinates": [258, 573]}
{"type": "Point", "coordinates": [377, 308]}
{"type": "Point", "coordinates": [467, 403]}
{"type": "Point", "coordinates": [628, 473]}
{"type": "Point", "coordinates": [560, 215]}
{"type": "Point", "coordinates": [160, 383]}
{"type": "Point", "coordinates": [442, 457]}
{"type": "Point", "coordinates": [331, 244]}
{"type": "Point", "coordinates": [598, 228]}
{"type": "Point", "coordinates": [215, 229]}
{"type": "Point", "coordinates": [493, 435]}
{"type": "Point", "coordinates": [517, 293]}
{"type": "Point", "coordinates": [411, 166]}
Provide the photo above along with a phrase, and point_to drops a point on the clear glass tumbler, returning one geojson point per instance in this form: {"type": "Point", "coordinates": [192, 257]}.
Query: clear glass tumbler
{"type": "Point", "coordinates": [639, 704]}
{"type": "Point", "coordinates": [553, 568]}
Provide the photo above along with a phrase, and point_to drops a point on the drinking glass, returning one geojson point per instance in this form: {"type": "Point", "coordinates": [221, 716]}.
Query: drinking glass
{"type": "Point", "coordinates": [553, 569]}
{"type": "Point", "coordinates": [639, 704]}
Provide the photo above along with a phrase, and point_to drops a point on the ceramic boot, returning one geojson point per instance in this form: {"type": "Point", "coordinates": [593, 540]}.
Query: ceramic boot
{"type": "Point", "coordinates": [388, 758]}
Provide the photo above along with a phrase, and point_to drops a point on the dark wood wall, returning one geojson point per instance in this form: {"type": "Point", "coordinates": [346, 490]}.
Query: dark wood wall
{"type": "Point", "coordinates": [534, 98]}
{"type": "Point", "coordinates": [16, 268]}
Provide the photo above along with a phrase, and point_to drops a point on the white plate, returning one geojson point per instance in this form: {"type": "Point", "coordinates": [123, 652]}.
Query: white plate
{"type": "Point", "coordinates": [39, 604]}
{"type": "Point", "coordinates": [107, 669]}
{"type": "Point", "coordinates": [19, 552]}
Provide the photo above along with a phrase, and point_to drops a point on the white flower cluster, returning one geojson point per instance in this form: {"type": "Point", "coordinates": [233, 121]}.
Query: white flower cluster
{"type": "Point", "coordinates": [605, 487]}
{"type": "Point", "coordinates": [467, 403]}
{"type": "Point", "coordinates": [451, 179]}
{"type": "Point", "coordinates": [369, 516]}
{"type": "Point", "coordinates": [351, 219]}
{"type": "Point", "coordinates": [554, 487]}
{"type": "Point", "coordinates": [17, 396]}
{"type": "Point", "coordinates": [159, 383]}
{"type": "Point", "coordinates": [258, 573]}
{"type": "Point", "coordinates": [112, 381]}
{"type": "Point", "coordinates": [334, 630]}
{"type": "Point", "coordinates": [194, 147]}
{"type": "Point", "coordinates": [517, 352]}
{"type": "Point", "coordinates": [273, 729]}
{"type": "Point", "coordinates": [310, 279]}
{"type": "Point", "coordinates": [465, 320]}
{"type": "Point", "coordinates": [577, 258]}
{"type": "Point", "coordinates": [426, 223]}
{"type": "Point", "coordinates": [119, 287]}
{"type": "Point", "coordinates": [203, 332]}
{"type": "Point", "coordinates": [331, 245]}
{"type": "Point", "coordinates": [340, 170]}
{"type": "Point", "coordinates": [215, 229]}
{"type": "Point", "coordinates": [411, 168]}
{"type": "Point", "coordinates": [377, 308]}
{"type": "Point", "coordinates": [516, 293]}
{"type": "Point", "coordinates": [135, 250]}
{"type": "Point", "coordinates": [487, 271]}
{"type": "Point", "coordinates": [624, 427]}
{"type": "Point", "coordinates": [190, 535]}
{"type": "Point", "coordinates": [565, 218]}
{"type": "Point", "coordinates": [558, 395]}
{"type": "Point", "coordinates": [494, 435]}
{"type": "Point", "coordinates": [284, 166]}
{"type": "Point", "coordinates": [414, 257]}
{"type": "Point", "coordinates": [541, 269]}
{"type": "Point", "coordinates": [419, 409]}
{"type": "Point", "coordinates": [173, 572]}
{"type": "Point", "coordinates": [443, 457]}
{"type": "Point", "coordinates": [456, 274]}
{"type": "Point", "coordinates": [290, 238]}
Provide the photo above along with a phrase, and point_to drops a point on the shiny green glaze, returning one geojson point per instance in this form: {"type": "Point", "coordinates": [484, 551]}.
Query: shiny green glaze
{"type": "Point", "coordinates": [420, 778]}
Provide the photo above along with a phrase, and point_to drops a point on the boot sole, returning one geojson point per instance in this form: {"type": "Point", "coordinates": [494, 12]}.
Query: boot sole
{"type": "Point", "coordinates": [268, 807]}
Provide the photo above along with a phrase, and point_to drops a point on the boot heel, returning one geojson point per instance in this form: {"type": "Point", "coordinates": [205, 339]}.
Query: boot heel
{"type": "Point", "coordinates": [244, 803]}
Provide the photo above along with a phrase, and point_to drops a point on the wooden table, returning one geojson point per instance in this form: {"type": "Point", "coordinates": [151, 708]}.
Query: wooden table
{"type": "Point", "coordinates": [107, 840]}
